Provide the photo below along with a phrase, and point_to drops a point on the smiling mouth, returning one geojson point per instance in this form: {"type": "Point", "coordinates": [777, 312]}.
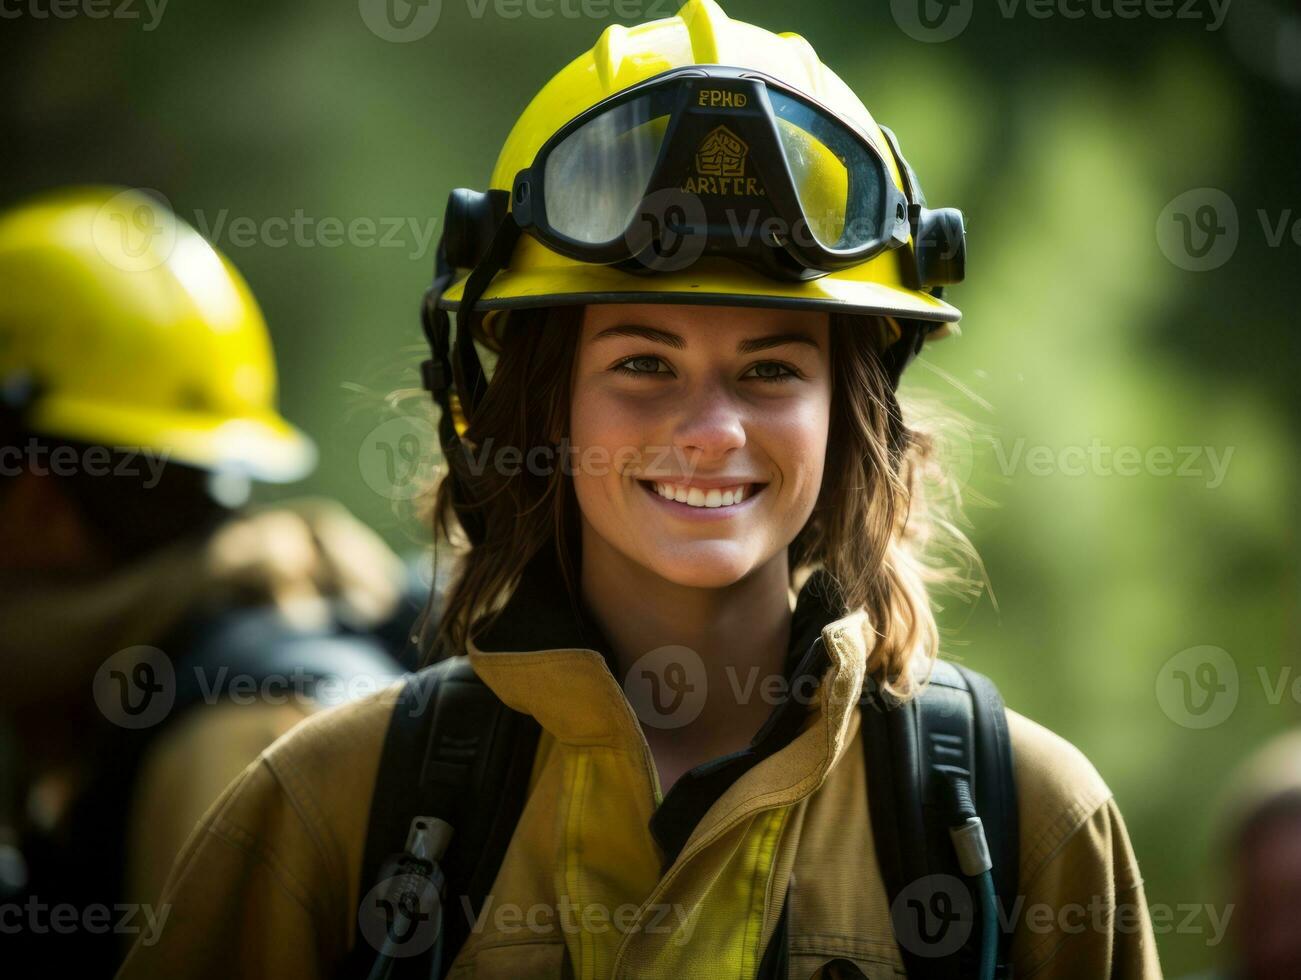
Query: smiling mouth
{"type": "Point", "coordinates": [704, 499]}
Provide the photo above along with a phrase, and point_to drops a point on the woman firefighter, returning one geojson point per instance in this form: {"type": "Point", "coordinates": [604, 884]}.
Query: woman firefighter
{"type": "Point", "coordinates": [689, 635]}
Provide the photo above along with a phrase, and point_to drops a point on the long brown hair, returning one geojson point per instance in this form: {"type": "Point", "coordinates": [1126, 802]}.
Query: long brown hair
{"type": "Point", "coordinates": [883, 539]}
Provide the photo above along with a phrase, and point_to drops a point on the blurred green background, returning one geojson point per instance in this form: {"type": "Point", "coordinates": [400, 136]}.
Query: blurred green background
{"type": "Point", "coordinates": [1072, 144]}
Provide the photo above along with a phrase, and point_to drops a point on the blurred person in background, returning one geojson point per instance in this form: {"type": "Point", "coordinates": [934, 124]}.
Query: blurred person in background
{"type": "Point", "coordinates": [1258, 836]}
{"type": "Point", "coordinates": [155, 633]}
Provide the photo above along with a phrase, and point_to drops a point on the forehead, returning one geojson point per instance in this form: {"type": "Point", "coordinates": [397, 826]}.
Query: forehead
{"type": "Point", "coordinates": [704, 322]}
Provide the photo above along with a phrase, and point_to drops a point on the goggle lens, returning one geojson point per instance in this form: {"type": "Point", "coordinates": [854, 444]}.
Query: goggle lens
{"type": "Point", "coordinates": [840, 184]}
{"type": "Point", "coordinates": [597, 176]}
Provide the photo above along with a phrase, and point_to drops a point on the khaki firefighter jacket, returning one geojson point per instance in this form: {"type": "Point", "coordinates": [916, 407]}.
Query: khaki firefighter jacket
{"type": "Point", "coordinates": [604, 876]}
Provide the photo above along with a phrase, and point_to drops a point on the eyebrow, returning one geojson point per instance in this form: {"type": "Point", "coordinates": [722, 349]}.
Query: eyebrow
{"type": "Point", "coordinates": [748, 346]}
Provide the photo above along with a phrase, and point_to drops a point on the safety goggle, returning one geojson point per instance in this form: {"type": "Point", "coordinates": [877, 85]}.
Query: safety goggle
{"type": "Point", "coordinates": [751, 167]}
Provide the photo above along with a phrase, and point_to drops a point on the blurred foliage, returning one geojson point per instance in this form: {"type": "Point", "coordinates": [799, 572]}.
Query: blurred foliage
{"type": "Point", "coordinates": [1062, 139]}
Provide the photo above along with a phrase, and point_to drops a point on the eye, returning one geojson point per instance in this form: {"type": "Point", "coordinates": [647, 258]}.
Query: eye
{"type": "Point", "coordinates": [641, 364]}
{"type": "Point", "coordinates": [772, 371]}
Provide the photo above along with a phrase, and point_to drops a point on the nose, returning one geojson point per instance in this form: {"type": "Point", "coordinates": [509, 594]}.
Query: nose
{"type": "Point", "coordinates": [710, 423]}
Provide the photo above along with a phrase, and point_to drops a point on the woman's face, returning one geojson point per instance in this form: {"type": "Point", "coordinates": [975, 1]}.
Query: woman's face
{"type": "Point", "coordinates": [696, 403]}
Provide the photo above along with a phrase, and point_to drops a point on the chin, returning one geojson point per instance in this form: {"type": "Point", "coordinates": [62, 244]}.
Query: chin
{"type": "Point", "coordinates": [703, 567]}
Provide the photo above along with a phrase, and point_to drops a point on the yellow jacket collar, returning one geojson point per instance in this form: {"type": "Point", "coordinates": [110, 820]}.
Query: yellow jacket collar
{"type": "Point", "coordinates": [545, 656]}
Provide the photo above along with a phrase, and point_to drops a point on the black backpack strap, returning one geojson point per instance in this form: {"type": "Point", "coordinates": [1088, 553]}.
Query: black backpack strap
{"type": "Point", "coordinates": [915, 752]}
{"type": "Point", "coordinates": [455, 752]}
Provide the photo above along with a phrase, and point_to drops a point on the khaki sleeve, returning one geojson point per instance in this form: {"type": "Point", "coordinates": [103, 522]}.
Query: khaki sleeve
{"type": "Point", "coordinates": [1080, 910]}
{"type": "Point", "coordinates": [266, 886]}
{"type": "Point", "coordinates": [1084, 914]}
{"type": "Point", "coordinates": [182, 776]}
{"type": "Point", "coordinates": [242, 899]}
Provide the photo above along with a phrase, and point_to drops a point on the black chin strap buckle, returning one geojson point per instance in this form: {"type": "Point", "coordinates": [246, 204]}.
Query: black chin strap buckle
{"type": "Point", "coordinates": [436, 370]}
{"type": "Point", "coordinates": [436, 378]}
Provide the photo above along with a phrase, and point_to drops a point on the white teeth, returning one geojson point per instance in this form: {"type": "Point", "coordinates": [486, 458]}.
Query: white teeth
{"type": "Point", "coordinates": [695, 497]}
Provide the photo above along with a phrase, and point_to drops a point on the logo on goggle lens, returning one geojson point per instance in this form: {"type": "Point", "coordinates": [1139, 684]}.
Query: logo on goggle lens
{"type": "Point", "coordinates": [720, 166]}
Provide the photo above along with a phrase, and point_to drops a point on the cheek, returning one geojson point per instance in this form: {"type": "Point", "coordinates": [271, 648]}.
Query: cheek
{"type": "Point", "coordinates": [605, 433]}
{"type": "Point", "coordinates": [797, 444]}
{"type": "Point", "coordinates": [601, 420]}
{"type": "Point", "coordinates": [591, 416]}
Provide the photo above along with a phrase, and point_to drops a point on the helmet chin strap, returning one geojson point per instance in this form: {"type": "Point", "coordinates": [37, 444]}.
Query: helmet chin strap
{"type": "Point", "coordinates": [455, 366]}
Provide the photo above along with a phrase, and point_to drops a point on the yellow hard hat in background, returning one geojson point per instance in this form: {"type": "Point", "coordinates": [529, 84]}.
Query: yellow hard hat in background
{"type": "Point", "coordinates": [135, 332]}
{"type": "Point", "coordinates": [700, 34]}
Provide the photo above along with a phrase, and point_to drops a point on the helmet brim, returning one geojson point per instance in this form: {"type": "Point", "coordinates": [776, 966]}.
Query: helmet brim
{"type": "Point", "coordinates": [708, 282]}
{"type": "Point", "coordinates": [262, 447]}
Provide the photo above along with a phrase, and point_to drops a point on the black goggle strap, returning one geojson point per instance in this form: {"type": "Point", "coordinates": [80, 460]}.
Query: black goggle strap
{"type": "Point", "coordinates": [440, 374]}
{"type": "Point", "coordinates": [455, 366]}
{"type": "Point", "coordinates": [471, 381]}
